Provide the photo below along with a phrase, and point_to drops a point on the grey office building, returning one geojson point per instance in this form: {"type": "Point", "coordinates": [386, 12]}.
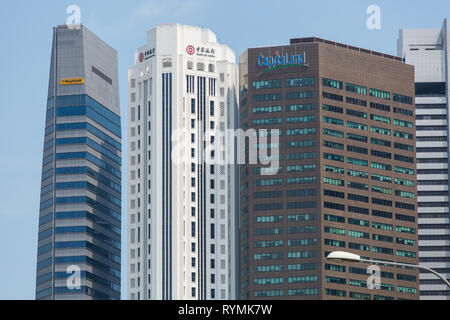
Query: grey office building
{"type": "Point", "coordinates": [79, 219]}
{"type": "Point", "coordinates": [428, 51]}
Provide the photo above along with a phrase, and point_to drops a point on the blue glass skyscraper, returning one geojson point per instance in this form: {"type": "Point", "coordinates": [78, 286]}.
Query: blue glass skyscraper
{"type": "Point", "coordinates": [79, 220]}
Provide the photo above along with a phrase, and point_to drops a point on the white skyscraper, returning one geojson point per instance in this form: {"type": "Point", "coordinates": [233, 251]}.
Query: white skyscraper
{"type": "Point", "coordinates": [428, 51]}
{"type": "Point", "coordinates": [181, 210]}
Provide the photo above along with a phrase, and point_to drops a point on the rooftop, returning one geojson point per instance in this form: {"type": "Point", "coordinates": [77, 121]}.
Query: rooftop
{"type": "Point", "coordinates": [345, 46]}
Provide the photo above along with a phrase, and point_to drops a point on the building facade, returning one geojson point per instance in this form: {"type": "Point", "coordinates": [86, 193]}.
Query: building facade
{"type": "Point", "coordinates": [80, 208]}
{"type": "Point", "coordinates": [181, 210]}
{"type": "Point", "coordinates": [428, 51]}
{"type": "Point", "coordinates": [346, 178]}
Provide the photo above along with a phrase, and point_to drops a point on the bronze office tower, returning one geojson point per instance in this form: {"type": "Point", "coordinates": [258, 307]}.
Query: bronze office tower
{"type": "Point", "coordinates": [346, 179]}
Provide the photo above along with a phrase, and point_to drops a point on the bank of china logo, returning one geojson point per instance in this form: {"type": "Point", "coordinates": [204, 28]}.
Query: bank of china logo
{"type": "Point", "coordinates": [141, 57]}
{"type": "Point", "coordinates": [190, 50]}
{"type": "Point", "coordinates": [283, 60]}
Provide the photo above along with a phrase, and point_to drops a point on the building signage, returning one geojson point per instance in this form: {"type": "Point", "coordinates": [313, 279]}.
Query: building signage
{"type": "Point", "coordinates": [201, 51]}
{"type": "Point", "coordinates": [71, 81]}
{"type": "Point", "coordinates": [146, 55]}
{"type": "Point", "coordinates": [279, 61]}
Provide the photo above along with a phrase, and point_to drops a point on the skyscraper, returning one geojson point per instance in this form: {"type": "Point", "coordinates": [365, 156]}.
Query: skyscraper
{"type": "Point", "coordinates": [182, 215]}
{"type": "Point", "coordinates": [80, 208]}
{"type": "Point", "coordinates": [346, 176]}
{"type": "Point", "coordinates": [428, 51]}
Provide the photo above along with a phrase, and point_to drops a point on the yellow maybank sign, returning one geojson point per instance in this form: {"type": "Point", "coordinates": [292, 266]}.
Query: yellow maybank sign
{"type": "Point", "coordinates": [71, 81]}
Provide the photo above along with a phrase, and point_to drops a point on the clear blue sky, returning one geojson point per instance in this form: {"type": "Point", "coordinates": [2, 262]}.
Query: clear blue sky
{"type": "Point", "coordinates": [25, 43]}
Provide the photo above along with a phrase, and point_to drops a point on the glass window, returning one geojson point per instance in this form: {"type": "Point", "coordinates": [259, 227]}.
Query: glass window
{"type": "Point", "coordinates": [356, 89]}
{"type": "Point", "coordinates": [330, 108]}
{"type": "Point", "coordinates": [379, 94]}
{"type": "Point", "coordinates": [331, 120]}
{"type": "Point", "coordinates": [300, 95]}
{"type": "Point", "coordinates": [379, 130]}
{"type": "Point", "coordinates": [379, 118]}
{"type": "Point", "coordinates": [355, 125]}
{"type": "Point", "coordinates": [300, 107]}
{"type": "Point", "coordinates": [334, 133]}
{"type": "Point", "coordinates": [403, 99]}
{"type": "Point", "coordinates": [268, 109]}
{"type": "Point", "coordinates": [299, 82]}
{"type": "Point", "coordinates": [266, 97]}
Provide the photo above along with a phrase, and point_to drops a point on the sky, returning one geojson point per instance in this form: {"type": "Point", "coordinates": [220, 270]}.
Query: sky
{"type": "Point", "coordinates": [25, 45]}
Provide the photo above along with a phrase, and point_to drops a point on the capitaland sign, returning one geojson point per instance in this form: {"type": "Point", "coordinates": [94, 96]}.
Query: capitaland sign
{"type": "Point", "coordinates": [279, 61]}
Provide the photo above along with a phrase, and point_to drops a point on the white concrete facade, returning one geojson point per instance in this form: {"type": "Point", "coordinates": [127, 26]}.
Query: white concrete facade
{"type": "Point", "coordinates": [181, 215]}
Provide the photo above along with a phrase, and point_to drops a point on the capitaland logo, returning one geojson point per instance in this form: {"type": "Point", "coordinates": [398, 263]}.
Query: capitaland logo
{"type": "Point", "coordinates": [281, 61]}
